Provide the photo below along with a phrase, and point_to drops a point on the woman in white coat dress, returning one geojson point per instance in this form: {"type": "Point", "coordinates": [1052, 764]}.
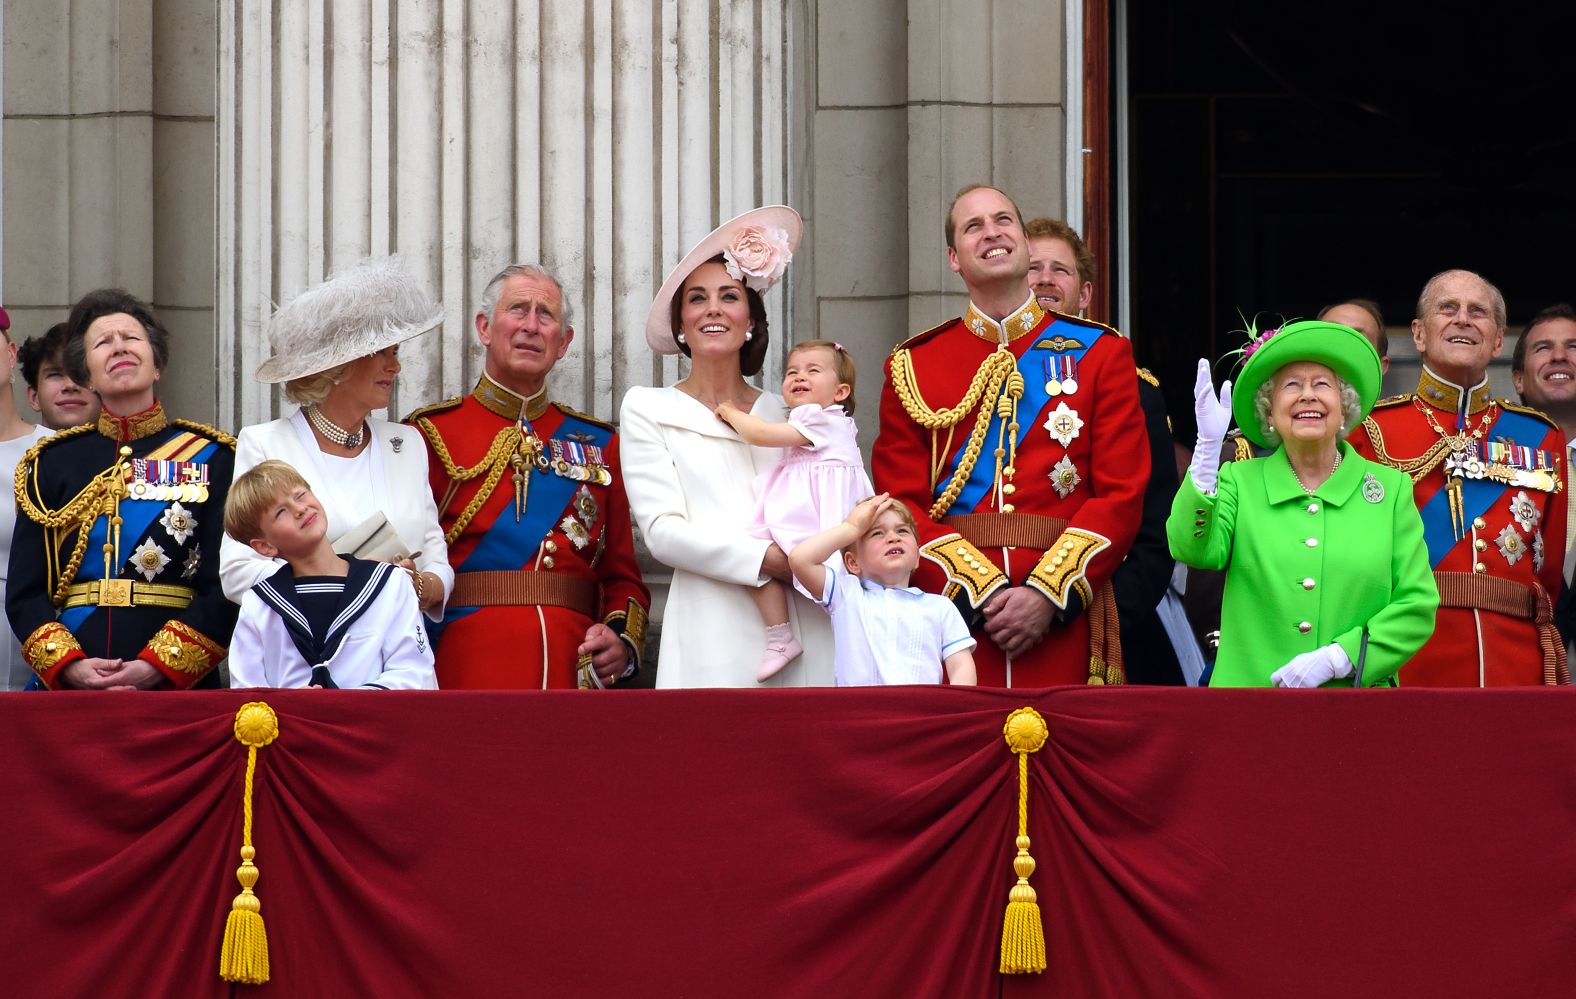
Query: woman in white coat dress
{"type": "Point", "coordinates": [691, 478]}
{"type": "Point", "coordinates": [334, 347]}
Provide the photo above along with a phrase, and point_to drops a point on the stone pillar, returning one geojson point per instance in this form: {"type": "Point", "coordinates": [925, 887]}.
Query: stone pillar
{"type": "Point", "coordinates": [109, 170]}
{"type": "Point", "coordinates": [600, 140]}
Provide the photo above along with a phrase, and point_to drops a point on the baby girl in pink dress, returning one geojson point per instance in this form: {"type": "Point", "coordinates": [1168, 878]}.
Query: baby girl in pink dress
{"type": "Point", "coordinates": [820, 478]}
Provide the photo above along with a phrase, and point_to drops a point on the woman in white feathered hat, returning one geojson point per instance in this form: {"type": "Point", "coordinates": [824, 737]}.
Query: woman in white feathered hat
{"type": "Point", "coordinates": [335, 349]}
{"type": "Point", "coordinates": [691, 477]}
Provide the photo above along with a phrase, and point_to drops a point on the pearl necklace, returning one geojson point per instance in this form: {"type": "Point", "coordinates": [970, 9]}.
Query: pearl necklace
{"type": "Point", "coordinates": [336, 434]}
{"type": "Point", "coordinates": [1299, 477]}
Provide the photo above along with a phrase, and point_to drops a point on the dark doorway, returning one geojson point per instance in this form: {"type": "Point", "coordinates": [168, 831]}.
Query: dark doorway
{"type": "Point", "coordinates": [1286, 156]}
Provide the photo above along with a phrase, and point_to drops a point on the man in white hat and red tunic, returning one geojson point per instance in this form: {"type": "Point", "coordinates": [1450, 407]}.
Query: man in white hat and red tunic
{"type": "Point", "coordinates": [1015, 436]}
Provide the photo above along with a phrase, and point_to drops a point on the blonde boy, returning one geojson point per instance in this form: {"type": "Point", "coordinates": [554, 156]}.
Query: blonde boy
{"type": "Point", "coordinates": [887, 631]}
{"type": "Point", "coordinates": [322, 619]}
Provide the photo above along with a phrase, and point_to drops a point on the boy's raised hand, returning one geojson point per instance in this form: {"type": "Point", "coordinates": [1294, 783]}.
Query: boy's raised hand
{"type": "Point", "coordinates": [866, 511]}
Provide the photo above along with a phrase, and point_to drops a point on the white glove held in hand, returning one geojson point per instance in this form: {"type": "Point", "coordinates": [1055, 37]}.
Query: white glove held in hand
{"type": "Point", "coordinates": [1314, 669]}
{"type": "Point", "coordinates": [1214, 418]}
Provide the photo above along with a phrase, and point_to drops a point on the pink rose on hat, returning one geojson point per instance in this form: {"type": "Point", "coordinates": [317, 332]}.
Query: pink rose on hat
{"type": "Point", "coordinates": [758, 256]}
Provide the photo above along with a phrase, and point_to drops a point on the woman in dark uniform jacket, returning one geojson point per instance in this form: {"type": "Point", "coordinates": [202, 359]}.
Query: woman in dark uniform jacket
{"type": "Point", "coordinates": [114, 575]}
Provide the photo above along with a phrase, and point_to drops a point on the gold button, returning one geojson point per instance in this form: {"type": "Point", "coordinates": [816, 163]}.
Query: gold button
{"type": "Point", "coordinates": [550, 545]}
{"type": "Point", "coordinates": [1480, 567]}
{"type": "Point", "coordinates": [1007, 508]}
{"type": "Point", "coordinates": [1067, 546]}
{"type": "Point", "coordinates": [1308, 583]}
{"type": "Point", "coordinates": [983, 570]}
{"type": "Point", "coordinates": [1058, 560]}
{"type": "Point", "coordinates": [1009, 489]}
{"type": "Point", "coordinates": [1304, 627]}
{"type": "Point", "coordinates": [1479, 523]}
{"type": "Point", "coordinates": [50, 647]}
{"type": "Point", "coordinates": [1312, 542]}
{"type": "Point", "coordinates": [963, 549]}
{"type": "Point", "coordinates": [1480, 544]}
{"type": "Point", "coordinates": [547, 562]}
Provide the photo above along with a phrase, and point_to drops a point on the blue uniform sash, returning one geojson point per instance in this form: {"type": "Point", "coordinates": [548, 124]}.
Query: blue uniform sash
{"type": "Point", "coordinates": [511, 546]}
{"type": "Point", "coordinates": [1032, 367]}
{"type": "Point", "coordinates": [1477, 495]}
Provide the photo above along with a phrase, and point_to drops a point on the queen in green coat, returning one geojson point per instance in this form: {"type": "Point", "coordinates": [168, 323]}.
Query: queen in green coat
{"type": "Point", "coordinates": [1323, 550]}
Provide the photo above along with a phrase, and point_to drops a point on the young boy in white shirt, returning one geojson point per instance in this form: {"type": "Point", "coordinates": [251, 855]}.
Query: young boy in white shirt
{"type": "Point", "coordinates": [886, 631]}
{"type": "Point", "coordinates": [323, 619]}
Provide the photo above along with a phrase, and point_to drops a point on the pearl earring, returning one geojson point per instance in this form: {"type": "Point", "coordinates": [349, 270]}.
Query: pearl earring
{"type": "Point", "coordinates": [681, 338]}
{"type": "Point", "coordinates": [748, 335]}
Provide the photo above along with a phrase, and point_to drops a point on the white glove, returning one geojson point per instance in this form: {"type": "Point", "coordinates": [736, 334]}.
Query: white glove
{"type": "Point", "coordinates": [1314, 669]}
{"type": "Point", "coordinates": [1214, 419]}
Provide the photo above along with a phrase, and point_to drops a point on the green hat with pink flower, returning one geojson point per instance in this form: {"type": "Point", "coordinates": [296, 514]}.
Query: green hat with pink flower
{"type": "Point", "coordinates": [1340, 348]}
{"type": "Point", "coordinates": [755, 247]}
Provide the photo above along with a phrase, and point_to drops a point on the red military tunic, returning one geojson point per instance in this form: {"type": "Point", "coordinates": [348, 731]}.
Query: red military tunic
{"type": "Point", "coordinates": [1056, 509]}
{"type": "Point", "coordinates": [1495, 532]}
{"type": "Point", "coordinates": [532, 576]}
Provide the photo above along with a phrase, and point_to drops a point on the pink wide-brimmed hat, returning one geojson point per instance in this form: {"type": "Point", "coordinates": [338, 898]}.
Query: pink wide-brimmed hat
{"type": "Point", "coordinates": [756, 248]}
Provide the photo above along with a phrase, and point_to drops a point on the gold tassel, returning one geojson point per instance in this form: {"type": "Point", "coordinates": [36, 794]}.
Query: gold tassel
{"type": "Point", "coordinates": [244, 955]}
{"type": "Point", "coordinates": [1022, 935]}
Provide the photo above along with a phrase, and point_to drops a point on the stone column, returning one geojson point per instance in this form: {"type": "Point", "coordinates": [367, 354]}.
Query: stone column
{"type": "Point", "coordinates": [600, 140]}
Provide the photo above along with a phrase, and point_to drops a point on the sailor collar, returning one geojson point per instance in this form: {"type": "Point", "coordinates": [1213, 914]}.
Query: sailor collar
{"type": "Point", "coordinates": [1022, 321]}
{"type": "Point", "coordinates": [134, 427]}
{"type": "Point", "coordinates": [1446, 395]}
{"type": "Point", "coordinates": [508, 404]}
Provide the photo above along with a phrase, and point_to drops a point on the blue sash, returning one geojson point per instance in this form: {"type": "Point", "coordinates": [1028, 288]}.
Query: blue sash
{"type": "Point", "coordinates": [1477, 495]}
{"type": "Point", "coordinates": [1032, 367]}
{"type": "Point", "coordinates": [509, 546]}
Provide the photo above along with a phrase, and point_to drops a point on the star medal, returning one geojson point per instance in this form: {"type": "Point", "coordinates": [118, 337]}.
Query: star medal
{"type": "Point", "coordinates": [575, 532]}
{"type": "Point", "coordinates": [1064, 476]}
{"type": "Point", "coordinates": [586, 506]}
{"type": "Point", "coordinates": [149, 559]}
{"type": "Point", "coordinates": [179, 522]}
{"type": "Point", "coordinates": [193, 562]}
{"type": "Point", "coordinates": [1511, 545]}
{"type": "Point", "coordinates": [1537, 553]}
{"type": "Point", "coordinates": [1525, 511]}
{"type": "Point", "coordinates": [1064, 424]}
{"type": "Point", "coordinates": [1373, 489]}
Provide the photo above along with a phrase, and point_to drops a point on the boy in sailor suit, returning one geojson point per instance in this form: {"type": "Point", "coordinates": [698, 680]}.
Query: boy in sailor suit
{"type": "Point", "coordinates": [323, 619]}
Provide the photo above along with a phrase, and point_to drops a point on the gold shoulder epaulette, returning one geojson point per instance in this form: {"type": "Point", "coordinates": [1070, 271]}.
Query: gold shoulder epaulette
{"type": "Point", "coordinates": [1081, 321]}
{"type": "Point", "coordinates": [917, 338]}
{"type": "Point", "coordinates": [213, 433]}
{"type": "Point", "coordinates": [1516, 407]}
{"type": "Point", "coordinates": [1149, 377]}
{"type": "Point", "coordinates": [1394, 400]}
{"type": "Point", "coordinates": [571, 411]}
{"type": "Point", "coordinates": [437, 407]}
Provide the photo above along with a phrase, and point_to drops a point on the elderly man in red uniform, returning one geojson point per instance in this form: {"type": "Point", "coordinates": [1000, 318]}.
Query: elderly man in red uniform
{"type": "Point", "coordinates": [1015, 436]}
{"type": "Point", "coordinates": [1489, 481]}
{"type": "Point", "coordinates": [546, 592]}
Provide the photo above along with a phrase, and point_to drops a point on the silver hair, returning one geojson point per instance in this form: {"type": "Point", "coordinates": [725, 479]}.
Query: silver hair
{"type": "Point", "coordinates": [494, 289]}
{"type": "Point", "coordinates": [1425, 299]}
{"type": "Point", "coordinates": [1351, 409]}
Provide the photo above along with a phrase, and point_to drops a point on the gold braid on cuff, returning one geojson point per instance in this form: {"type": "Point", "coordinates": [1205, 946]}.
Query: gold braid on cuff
{"type": "Point", "coordinates": [966, 567]}
{"type": "Point", "coordinates": [1063, 566]}
{"type": "Point", "coordinates": [184, 649]}
{"type": "Point", "coordinates": [47, 645]}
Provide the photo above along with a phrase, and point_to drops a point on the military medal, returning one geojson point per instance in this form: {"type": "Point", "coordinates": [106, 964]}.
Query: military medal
{"type": "Point", "coordinates": [1064, 476]}
{"type": "Point", "coordinates": [586, 507]}
{"type": "Point", "coordinates": [1373, 489]}
{"type": "Point", "coordinates": [575, 532]}
{"type": "Point", "coordinates": [157, 479]}
{"type": "Point", "coordinates": [1064, 424]}
{"type": "Point", "coordinates": [1061, 375]}
{"type": "Point", "coordinates": [178, 522]}
{"type": "Point", "coordinates": [1525, 511]}
{"type": "Point", "coordinates": [1537, 553]}
{"type": "Point", "coordinates": [1511, 544]}
{"type": "Point", "coordinates": [579, 462]}
{"type": "Point", "coordinates": [149, 559]}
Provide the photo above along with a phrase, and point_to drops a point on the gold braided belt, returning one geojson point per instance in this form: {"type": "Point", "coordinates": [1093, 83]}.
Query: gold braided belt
{"type": "Point", "coordinates": [127, 593]}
